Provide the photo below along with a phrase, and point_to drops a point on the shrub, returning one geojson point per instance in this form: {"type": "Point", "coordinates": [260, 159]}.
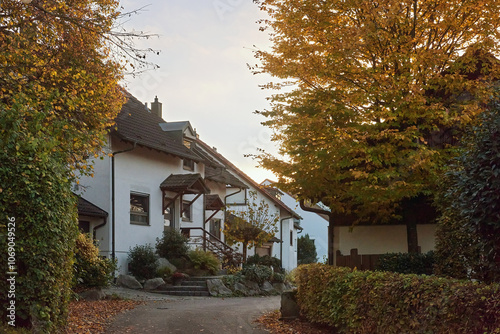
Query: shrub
{"type": "Point", "coordinates": [90, 270]}
{"type": "Point", "coordinates": [257, 273]}
{"type": "Point", "coordinates": [407, 263]}
{"type": "Point", "coordinates": [172, 245]}
{"type": "Point", "coordinates": [265, 260]}
{"type": "Point", "coordinates": [204, 260]}
{"type": "Point", "coordinates": [164, 272]}
{"type": "Point", "coordinates": [368, 302]}
{"type": "Point", "coordinates": [142, 262]}
{"type": "Point", "coordinates": [278, 278]}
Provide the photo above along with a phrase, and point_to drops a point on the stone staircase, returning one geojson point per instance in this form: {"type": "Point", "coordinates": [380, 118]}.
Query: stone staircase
{"type": "Point", "coordinates": [193, 286]}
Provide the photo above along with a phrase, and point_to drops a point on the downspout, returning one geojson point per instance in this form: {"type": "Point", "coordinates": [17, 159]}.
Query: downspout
{"type": "Point", "coordinates": [113, 223]}
{"type": "Point", "coordinates": [330, 228]}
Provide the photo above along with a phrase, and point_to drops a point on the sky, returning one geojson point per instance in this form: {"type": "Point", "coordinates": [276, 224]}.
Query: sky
{"type": "Point", "coordinates": [205, 46]}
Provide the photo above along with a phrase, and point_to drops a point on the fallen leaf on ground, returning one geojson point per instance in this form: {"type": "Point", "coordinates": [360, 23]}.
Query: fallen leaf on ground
{"type": "Point", "coordinates": [92, 317]}
{"type": "Point", "coordinates": [271, 321]}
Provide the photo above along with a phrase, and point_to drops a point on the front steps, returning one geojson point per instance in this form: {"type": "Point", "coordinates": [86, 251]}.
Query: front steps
{"type": "Point", "coordinates": [193, 286]}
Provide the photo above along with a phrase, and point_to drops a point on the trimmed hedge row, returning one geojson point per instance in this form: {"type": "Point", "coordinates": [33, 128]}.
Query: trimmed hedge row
{"type": "Point", "coordinates": [384, 302]}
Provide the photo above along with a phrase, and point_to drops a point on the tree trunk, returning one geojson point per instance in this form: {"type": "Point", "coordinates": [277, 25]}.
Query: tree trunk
{"type": "Point", "coordinates": [245, 245]}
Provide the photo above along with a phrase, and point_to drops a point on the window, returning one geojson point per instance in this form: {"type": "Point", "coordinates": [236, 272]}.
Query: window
{"type": "Point", "coordinates": [215, 227]}
{"type": "Point", "coordinates": [168, 214]}
{"type": "Point", "coordinates": [188, 164]}
{"type": "Point", "coordinates": [186, 211]}
{"type": "Point", "coordinates": [139, 209]}
{"type": "Point", "coordinates": [84, 226]}
{"type": "Point", "coordinates": [291, 238]}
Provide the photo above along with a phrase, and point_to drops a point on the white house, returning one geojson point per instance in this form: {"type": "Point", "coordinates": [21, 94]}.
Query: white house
{"type": "Point", "coordinates": [312, 223]}
{"type": "Point", "coordinates": [156, 175]}
{"type": "Point", "coordinates": [284, 245]}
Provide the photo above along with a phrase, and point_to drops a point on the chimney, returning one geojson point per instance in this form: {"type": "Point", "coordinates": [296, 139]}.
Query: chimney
{"type": "Point", "coordinates": [156, 107]}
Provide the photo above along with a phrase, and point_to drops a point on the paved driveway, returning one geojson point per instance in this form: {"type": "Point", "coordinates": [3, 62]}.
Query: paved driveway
{"type": "Point", "coordinates": [195, 315]}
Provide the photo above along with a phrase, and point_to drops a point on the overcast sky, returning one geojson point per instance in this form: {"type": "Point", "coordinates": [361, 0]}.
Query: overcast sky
{"type": "Point", "coordinates": [203, 76]}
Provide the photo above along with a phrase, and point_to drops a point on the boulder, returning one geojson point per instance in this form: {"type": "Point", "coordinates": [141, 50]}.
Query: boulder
{"type": "Point", "coordinates": [289, 307]}
{"type": "Point", "coordinates": [279, 287]}
{"type": "Point", "coordinates": [162, 262]}
{"type": "Point", "coordinates": [267, 288]}
{"type": "Point", "coordinates": [241, 289]}
{"type": "Point", "coordinates": [128, 281]}
{"type": "Point", "coordinates": [253, 288]}
{"type": "Point", "coordinates": [93, 294]}
{"type": "Point", "coordinates": [154, 283]}
{"type": "Point", "coordinates": [217, 288]}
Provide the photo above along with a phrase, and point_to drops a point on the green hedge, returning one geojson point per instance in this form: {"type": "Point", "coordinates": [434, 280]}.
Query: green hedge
{"type": "Point", "coordinates": [407, 263]}
{"type": "Point", "coordinates": [384, 302]}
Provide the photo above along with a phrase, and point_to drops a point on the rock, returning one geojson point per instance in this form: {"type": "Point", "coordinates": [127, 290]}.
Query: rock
{"type": "Point", "coordinates": [93, 294]}
{"type": "Point", "coordinates": [279, 287]}
{"type": "Point", "coordinates": [162, 262]}
{"type": "Point", "coordinates": [128, 281]}
{"type": "Point", "coordinates": [154, 283]}
{"type": "Point", "coordinates": [241, 289]}
{"type": "Point", "coordinates": [267, 288]}
{"type": "Point", "coordinates": [289, 307]}
{"type": "Point", "coordinates": [217, 288]}
{"type": "Point", "coordinates": [253, 288]}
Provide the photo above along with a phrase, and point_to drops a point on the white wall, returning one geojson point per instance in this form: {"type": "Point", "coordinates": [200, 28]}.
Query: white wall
{"type": "Point", "coordinates": [371, 239]}
{"type": "Point", "coordinates": [427, 237]}
{"type": "Point", "coordinates": [382, 239]}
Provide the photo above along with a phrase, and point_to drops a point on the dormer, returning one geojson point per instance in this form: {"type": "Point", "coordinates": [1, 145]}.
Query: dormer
{"type": "Point", "coordinates": [181, 131]}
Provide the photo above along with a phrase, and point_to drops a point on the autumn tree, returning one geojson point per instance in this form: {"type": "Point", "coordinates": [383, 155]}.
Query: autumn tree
{"type": "Point", "coordinates": [59, 94]}
{"type": "Point", "coordinates": [251, 225]}
{"type": "Point", "coordinates": [371, 95]}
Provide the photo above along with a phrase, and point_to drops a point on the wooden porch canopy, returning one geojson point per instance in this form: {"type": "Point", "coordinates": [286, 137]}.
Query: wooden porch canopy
{"type": "Point", "coordinates": [181, 184]}
{"type": "Point", "coordinates": [213, 203]}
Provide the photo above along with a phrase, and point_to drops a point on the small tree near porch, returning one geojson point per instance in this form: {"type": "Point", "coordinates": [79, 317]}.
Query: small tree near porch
{"type": "Point", "coordinates": [252, 225]}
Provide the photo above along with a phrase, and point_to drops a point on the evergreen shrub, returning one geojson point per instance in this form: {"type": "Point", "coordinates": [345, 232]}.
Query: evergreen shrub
{"type": "Point", "coordinates": [142, 262]}
{"type": "Point", "coordinates": [407, 263]}
{"type": "Point", "coordinates": [172, 245]}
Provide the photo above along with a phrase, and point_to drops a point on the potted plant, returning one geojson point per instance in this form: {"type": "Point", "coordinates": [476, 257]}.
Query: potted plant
{"type": "Point", "coordinates": [178, 277]}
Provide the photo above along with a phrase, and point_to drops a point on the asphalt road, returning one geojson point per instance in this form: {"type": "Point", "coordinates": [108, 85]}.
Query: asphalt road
{"type": "Point", "coordinates": [195, 315]}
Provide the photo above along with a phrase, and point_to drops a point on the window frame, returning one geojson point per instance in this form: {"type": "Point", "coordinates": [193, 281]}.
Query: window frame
{"type": "Point", "coordinates": [140, 214]}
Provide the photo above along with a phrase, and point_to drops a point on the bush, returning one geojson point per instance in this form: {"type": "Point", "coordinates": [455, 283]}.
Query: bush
{"type": "Point", "coordinates": [164, 272]}
{"type": "Point", "coordinates": [265, 260]}
{"type": "Point", "coordinates": [257, 273]}
{"type": "Point", "coordinates": [407, 263]}
{"type": "Point", "coordinates": [90, 270]}
{"type": "Point", "coordinates": [204, 260]}
{"type": "Point", "coordinates": [172, 245]}
{"type": "Point", "coordinates": [142, 262]}
{"type": "Point", "coordinates": [369, 302]}
{"type": "Point", "coordinates": [278, 278]}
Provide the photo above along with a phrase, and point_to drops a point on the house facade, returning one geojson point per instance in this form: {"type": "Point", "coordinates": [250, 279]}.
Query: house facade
{"type": "Point", "coordinates": [313, 224]}
{"type": "Point", "coordinates": [155, 175]}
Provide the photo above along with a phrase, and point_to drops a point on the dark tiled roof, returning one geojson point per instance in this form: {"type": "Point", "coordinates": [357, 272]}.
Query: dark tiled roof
{"type": "Point", "coordinates": [247, 178]}
{"type": "Point", "coordinates": [136, 124]}
{"type": "Point", "coordinates": [185, 183]}
{"type": "Point", "coordinates": [213, 202]}
{"type": "Point", "coordinates": [221, 175]}
{"type": "Point", "coordinates": [85, 208]}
